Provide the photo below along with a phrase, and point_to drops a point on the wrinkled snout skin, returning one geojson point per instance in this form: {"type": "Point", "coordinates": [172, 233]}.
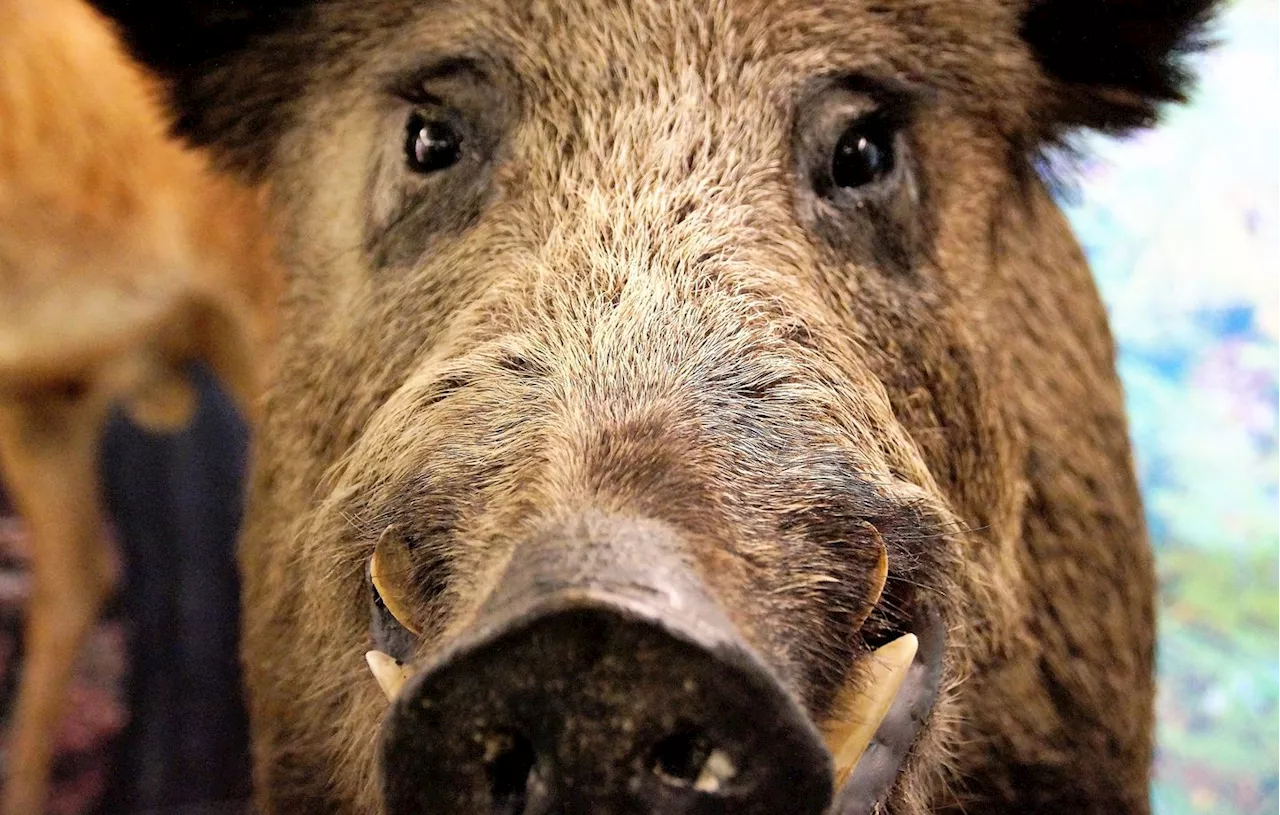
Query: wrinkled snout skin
{"type": "Point", "coordinates": [631, 299]}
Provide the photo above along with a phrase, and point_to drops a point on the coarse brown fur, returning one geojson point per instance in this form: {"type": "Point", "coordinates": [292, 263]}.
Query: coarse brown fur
{"type": "Point", "coordinates": [629, 298]}
{"type": "Point", "coordinates": [122, 259]}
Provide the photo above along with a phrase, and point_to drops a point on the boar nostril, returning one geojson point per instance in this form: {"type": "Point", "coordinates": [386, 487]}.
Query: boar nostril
{"type": "Point", "coordinates": [687, 758]}
{"type": "Point", "coordinates": [511, 767]}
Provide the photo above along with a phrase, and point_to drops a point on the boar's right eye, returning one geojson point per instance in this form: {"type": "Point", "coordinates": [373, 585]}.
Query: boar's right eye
{"type": "Point", "coordinates": [863, 155]}
{"type": "Point", "coordinates": [853, 140]}
{"type": "Point", "coordinates": [431, 144]}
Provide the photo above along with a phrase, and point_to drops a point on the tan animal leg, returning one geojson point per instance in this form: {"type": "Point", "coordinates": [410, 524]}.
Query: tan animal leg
{"type": "Point", "coordinates": [123, 256]}
{"type": "Point", "coordinates": [49, 453]}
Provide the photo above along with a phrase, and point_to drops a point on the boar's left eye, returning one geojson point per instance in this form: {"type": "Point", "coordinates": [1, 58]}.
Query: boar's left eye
{"type": "Point", "coordinates": [431, 144]}
{"type": "Point", "coordinates": [863, 155]}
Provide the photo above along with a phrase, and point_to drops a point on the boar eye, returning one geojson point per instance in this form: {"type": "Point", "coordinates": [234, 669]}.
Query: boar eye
{"type": "Point", "coordinates": [863, 155]}
{"type": "Point", "coordinates": [431, 144]}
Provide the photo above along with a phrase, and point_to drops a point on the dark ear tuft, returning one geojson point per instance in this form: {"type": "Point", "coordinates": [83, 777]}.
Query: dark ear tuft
{"type": "Point", "coordinates": [196, 47]}
{"type": "Point", "coordinates": [1112, 63]}
{"type": "Point", "coordinates": [174, 38]}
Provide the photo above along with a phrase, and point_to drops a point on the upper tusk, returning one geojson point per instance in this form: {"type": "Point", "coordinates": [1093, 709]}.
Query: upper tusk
{"type": "Point", "coordinates": [391, 560]}
{"type": "Point", "coordinates": [879, 576]}
{"type": "Point", "coordinates": [866, 706]}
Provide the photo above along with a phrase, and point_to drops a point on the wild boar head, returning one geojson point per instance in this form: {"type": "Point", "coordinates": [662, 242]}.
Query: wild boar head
{"type": "Point", "coordinates": [647, 365]}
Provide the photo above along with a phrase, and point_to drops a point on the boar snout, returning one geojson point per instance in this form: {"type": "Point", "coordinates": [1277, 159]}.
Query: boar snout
{"type": "Point", "coordinates": [601, 677]}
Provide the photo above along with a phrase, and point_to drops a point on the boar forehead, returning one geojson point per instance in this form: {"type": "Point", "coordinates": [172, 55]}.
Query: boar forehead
{"type": "Point", "coordinates": [627, 83]}
{"type": "Point", "coordinates": [571, 57]}
{"type": "Point", "coordinates": [970, 49]}
{"type": "Point", "coordinates": [613, 97]}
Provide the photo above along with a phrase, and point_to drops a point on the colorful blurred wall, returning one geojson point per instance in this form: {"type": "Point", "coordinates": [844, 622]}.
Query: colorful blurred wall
{"type": "Point", "coordinates": [1181, 227]}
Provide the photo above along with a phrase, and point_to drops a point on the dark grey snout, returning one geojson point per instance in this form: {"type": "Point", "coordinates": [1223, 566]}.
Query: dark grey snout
{"type": "Point", "coordinates": [599, 685]}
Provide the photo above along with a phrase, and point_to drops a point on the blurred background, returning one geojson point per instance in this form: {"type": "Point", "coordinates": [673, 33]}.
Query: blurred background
{"type": "Point", "coordinates": [1180, 225]}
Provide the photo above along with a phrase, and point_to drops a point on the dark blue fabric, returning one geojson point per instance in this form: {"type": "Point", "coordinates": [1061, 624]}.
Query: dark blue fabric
{"type": "Point", "coordinates": [176, 504]}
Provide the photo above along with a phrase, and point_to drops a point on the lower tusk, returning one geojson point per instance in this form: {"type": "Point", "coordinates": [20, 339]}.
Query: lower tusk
{"type": "Point", "coordinates": [391, 675]}
{"type": "Point", "coordinates": [849, 737]}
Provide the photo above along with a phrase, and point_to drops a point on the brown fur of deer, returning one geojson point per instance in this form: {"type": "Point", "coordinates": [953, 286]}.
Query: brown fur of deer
{"type": "Point", "coordinates": [123, 257]}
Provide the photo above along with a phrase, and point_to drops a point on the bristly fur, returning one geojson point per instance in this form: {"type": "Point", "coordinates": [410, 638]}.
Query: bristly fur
{"type": "Point", "coordinates": [648, 310]}
{"type": "Point", "coordinates": [1114, 62]}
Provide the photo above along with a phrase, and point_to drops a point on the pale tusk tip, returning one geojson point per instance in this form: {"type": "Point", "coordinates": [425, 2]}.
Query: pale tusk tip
{"type": "Point", "coordinates": [388, 671]}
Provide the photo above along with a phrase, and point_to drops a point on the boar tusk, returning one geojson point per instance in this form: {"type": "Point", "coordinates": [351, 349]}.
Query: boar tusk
{"type": "Point", "coordinates": [391, 675]}
{"type": "Point", "coordinates": [879, 576]}
{"type": "Point", "coordinates": [390, 560]}
{"type": "Point", "coordinates": [886, 669]}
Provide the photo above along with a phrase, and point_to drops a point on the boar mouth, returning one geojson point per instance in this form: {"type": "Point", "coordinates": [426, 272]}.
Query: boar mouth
{"type": "Point", "coordinates": [877, 720]}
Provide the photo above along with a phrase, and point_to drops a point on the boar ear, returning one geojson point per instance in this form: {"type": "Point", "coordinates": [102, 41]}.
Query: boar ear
{"type": "Point", "coordinates": [1112, 63]}
{"type": "Point", "coordinates": [197, 48]}
{"type": "Point", "coordinates": [172, 38]}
